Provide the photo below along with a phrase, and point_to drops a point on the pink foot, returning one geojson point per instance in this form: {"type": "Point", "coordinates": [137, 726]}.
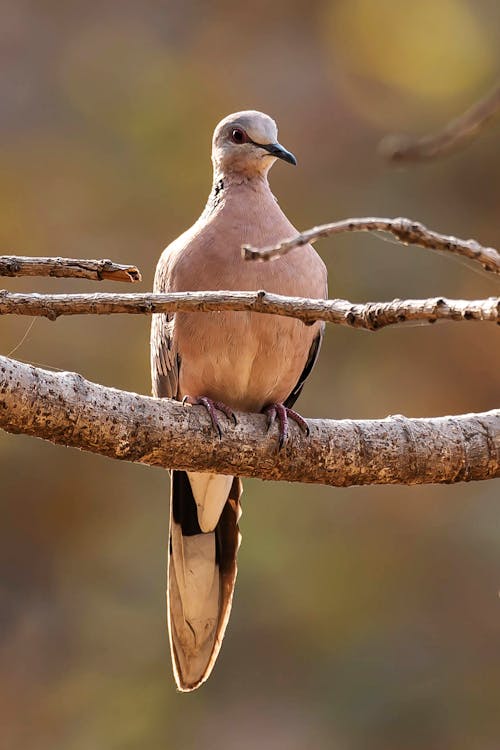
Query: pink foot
{"type": "Point", "coordinates": [211, 407]}
{"type": "Point", "coordinates": [284, 414]}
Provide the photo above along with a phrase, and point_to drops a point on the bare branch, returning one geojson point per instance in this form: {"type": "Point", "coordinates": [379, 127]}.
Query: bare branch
{"type": "Point", "coordinates": [68, 410]}
{"type": "Point", "coordinates": [95, 270]}
{"type": "Point", "coordinates": [370, 316]}
{"type": "Point", "coordinates": [403, 148]}
{"type": "Point", "coordinates": [405, 230]}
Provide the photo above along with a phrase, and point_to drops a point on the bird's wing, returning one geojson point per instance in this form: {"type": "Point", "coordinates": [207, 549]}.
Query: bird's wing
{"type": "Point", "coordinates": [164, 357]}
{"type": "Point", "coordinates": [310, 362]}
{"type": "Point", "coordinates": [313, 353]}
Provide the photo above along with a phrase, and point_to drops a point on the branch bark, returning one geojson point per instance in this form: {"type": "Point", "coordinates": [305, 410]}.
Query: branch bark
{"type": "Point", "coordinates": [370, 316]}
{"type": "Point", "coordinates": [95, 270]}
{"type": "Point", "coordinates": [404, 148]}
{"type": "Point", "coordinates": [68, 410]}
{"type": "Point", "coordinates": [405, 230]}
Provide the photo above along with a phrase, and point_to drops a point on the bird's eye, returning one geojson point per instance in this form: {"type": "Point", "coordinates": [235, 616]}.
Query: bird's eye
{"type": "Point", "coordinates": [238, 136]}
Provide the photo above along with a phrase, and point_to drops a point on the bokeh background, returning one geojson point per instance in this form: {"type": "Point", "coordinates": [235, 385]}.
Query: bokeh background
{"type": "Point", "coordinates": [364, 618]}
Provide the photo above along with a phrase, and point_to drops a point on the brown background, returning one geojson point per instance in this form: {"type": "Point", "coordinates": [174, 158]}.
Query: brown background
{"type": "Point", "coordinates": [364, 618]}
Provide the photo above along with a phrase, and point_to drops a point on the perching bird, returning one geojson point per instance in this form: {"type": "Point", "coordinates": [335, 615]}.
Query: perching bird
{"type": "Point", "coordinates": [224, 361]}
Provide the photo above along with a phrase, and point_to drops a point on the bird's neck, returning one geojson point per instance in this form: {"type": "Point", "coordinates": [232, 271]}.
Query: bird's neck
{"type": "Point", "coordinates": [228, 184]}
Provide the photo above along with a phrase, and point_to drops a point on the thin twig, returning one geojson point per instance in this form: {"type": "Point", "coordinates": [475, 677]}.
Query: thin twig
{"type": "Point", "coordinates": [68, 410]}
{"type": "Point", "coordinates": [405, 230]}
{"type": "Point", "coordinates": [402, 147]}
{"type": "Point", "coordinates": [370, 316]}
{"type": "Point", "coordinates": [95, 270]}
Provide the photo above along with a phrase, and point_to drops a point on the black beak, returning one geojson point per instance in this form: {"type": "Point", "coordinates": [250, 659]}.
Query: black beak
{"type": "Point", "coordinates": [279, 152]}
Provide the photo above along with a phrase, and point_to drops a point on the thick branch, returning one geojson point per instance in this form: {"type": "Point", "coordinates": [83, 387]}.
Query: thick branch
{"type": "Point", "coordinates": [371, 315]}
{"type": "Point", "coordinates": [68, 410]}
{"type": "Point", "coordinates": [401, 147]}
{"type": "Point", "coordinates": [95, 270]}
{"type": "Point", "coordinates": [405, 230]}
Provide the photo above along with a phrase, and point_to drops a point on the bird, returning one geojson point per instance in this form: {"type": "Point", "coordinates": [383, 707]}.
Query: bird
{"type": "Point", "coordinates": [227, 362]}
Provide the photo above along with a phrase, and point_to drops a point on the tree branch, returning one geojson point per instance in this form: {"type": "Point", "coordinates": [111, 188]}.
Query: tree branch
{"type": "Point", "coordinates": [95, 270]}
{"type": "Point", "coordinates": [405, 230]}
{"type": "Point", "coordinates": [370, 316]}
{"type": "Point", "coordinates": [402, 147]}
{"type": "Point", "coordinates": [68, 410]}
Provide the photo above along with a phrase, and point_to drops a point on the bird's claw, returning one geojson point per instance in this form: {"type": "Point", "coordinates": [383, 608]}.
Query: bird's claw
{"type": "Point", "coordinates": [211, 407]}
{"type": "Point", "coordinates": [284, 414]}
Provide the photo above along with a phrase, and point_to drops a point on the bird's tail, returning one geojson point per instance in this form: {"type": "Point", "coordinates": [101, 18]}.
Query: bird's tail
{"type": "Point", "coordinates": [204, 541]}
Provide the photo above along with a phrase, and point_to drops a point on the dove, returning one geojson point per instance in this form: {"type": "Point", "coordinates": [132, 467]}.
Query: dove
{"type": "Point", "coordinates": [227, 362]}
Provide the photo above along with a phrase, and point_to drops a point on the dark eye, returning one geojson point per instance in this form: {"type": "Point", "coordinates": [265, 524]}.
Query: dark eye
{"type": "Point", "coordinates": [238, 136]}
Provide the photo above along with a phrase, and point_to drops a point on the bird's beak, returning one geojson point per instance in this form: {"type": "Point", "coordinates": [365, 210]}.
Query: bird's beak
{"type": "Point", "coordinates": [275, 149]}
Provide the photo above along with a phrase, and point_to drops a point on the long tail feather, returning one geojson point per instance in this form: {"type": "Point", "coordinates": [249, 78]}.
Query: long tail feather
{"type": "Point", "coordinates": [201, 577]}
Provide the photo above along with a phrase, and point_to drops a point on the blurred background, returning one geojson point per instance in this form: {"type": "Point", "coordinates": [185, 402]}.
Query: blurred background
{"type": "Point", "coordinates": [364, 617]}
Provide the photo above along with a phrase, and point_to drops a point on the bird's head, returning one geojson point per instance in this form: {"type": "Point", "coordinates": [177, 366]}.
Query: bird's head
{"type": "Point", "coordinates": [246, 143]}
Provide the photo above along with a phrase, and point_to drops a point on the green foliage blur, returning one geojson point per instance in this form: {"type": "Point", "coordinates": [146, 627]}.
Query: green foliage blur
{"type": "Point", "coordinates": [364, 618]}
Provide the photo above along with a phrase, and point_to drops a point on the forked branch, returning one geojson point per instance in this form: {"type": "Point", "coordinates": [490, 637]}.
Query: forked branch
{"type": "Point", "coordinates": [408, 232]}
{"type": "Point", "coordinates": [95, 270]}
{"type": "Point", "coordinates": [371, 315]}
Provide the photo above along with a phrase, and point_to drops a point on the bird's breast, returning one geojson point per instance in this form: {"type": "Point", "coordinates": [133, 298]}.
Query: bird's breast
{"type": "Point", "coordinates": [246, 360]}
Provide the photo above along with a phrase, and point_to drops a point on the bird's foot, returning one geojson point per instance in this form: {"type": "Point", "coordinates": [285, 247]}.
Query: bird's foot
{"type": "Point", "coordinates": [212, 407]}
{"type": "Point", "coordinates": [284, 414]}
